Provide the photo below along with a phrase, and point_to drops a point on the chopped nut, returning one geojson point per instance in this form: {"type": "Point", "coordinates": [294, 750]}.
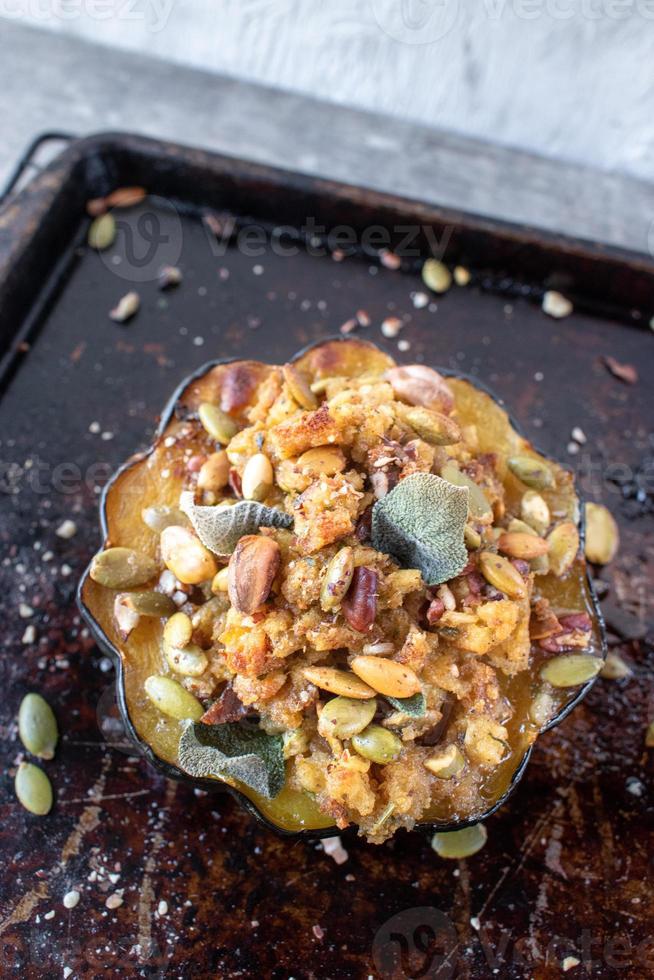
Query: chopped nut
{"type": "Point", "coordinates": [556, 305]}
{"type": "Point", "coordinates": [67, 529]}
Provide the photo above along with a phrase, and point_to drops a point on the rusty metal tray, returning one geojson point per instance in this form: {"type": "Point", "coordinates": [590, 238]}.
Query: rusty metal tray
{"type": "Point", "coordinates": [206, 891]}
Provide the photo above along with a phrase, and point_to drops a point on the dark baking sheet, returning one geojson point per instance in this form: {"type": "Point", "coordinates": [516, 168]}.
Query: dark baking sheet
{"type": "Point", "coordinates": [567, 865]}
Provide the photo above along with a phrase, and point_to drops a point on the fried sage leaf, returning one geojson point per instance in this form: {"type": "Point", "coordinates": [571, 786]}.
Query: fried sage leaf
{"type": "Point", "coordinates": [421, 524]}
{"type": "Point", "coordinates": [234, 750]}
{"type": "Point", "coordinates": [415, 706]}
{"type": "Point", "coordinates": [221, 528]}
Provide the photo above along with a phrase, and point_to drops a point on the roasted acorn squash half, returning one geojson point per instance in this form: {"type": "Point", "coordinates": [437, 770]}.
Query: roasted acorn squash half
{"type": "Point", "coordinates": [157, 477]}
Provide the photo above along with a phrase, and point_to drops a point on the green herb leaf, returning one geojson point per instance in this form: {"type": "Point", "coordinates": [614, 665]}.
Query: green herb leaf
{"type": "Point", "coordinates": [415, 706]}
{"type": "Point", "coordinates": [420, 523]}
{"type": "Point", "coordinates": [219, 528]}
{"type": "Point", "coordinates": [235, 750]}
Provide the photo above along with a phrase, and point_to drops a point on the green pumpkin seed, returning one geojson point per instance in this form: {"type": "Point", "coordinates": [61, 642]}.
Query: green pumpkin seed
{"type": "Point", "coordinates": [500, 573]}
{"type": "Point", "coordinates": [446, 764]}
{"type": "Point", "coordinates": [459, 844]}
{"type": "Point", "coordinates": [299, 388]}
{"type": "Point", "coordinates": [172, 699]}
{"type": "Point", "coordinates": [102, 232]}
{"type": "Point", "coordinates": [122, 568]}
{"type": "Point", "coordinates": [570, 670]}
{"type": "Point", "coordinates": [436, 276]}
{"type": "Point", "coordinates": [563, 544]}
{"type": "Point", "coordinates": [345, 717]}
{"type": "Point", "coordinates": [33, 789]}
{"type": "Point", "coordinates": [535, 512]}
{"type": "Point", "coordinates": [615, 668]}
{"type": "Point", "coordinates": [217, 423]}
{"type": "Point", "coordinates": [159, 518]}
{"type": "Point", "coordinates": [337, 580]}
{"type": "Point", "coordinates": [602, 534]}
{"type": "Point", "coordinates": [433, 427]}
{"type": "Point", "coordinates": [531, 471]}
{"type": "Point", "coordinates": [37, 726]}
{"type": "Point", "coordinates": [478, 504]}
{"type": "Point", "coordinates": [521, 527]}
{"type": "Point", "coordinates": [471, 537]}
{"type": "Point", "coordinates": [190, 662]}
{"type": "Point", "coordinates": [377, 744]}
{"type": "Point", "coordinates": [154, 604]}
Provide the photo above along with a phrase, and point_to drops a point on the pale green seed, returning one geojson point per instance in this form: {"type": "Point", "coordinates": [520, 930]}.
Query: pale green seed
{"type": "Point", "coordinates": [37, 726]}
{"type": "Point", "coordinates": [299, 388]}
{"type": "Point", "coordinates": [457, 844]}
{"type": "Point", "coordinates": [122, 568]}
{"type": "Point", "coordinates": [344, 717]}
{"type": "Point", "coordinates": [471, 537]}
{"type": "Point", "coordinates": [172, 699]}
{"type": "Point", "coordinates": [570, 670]}
{"type": "Point", "coordinates": [478, 504]}
{"type": "Point", "coordinates": [338, 577]}
{"type": "Point", "coordinates": [154, 604]}
{"type": "Point", "coordinates": [532, 472]}
{"type": "Point", "coordinates": [500, 573]}
{"type": "Point", "coordinates": [563, 544]}
{"type": "Point", "coordinates": [377, 744]}
{"type": "Point", "coordinates": [217, 423]}
{"type": "Point", "coordinates": [33, 789]}
{"type": "Point", "coordinates": [436, 276]}
{"type": "Point", "coordinates": [434, 427]}
{"type": "Point", "coordinates": [446, 764]}
{"type": "Point", "coordinates": [534, 511]}
{"type": "Point", "coordinates": [102, 232]}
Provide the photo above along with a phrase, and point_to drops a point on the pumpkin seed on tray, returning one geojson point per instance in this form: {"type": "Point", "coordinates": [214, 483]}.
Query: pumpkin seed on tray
{"type": "Point", "coordinates": [331, 533]}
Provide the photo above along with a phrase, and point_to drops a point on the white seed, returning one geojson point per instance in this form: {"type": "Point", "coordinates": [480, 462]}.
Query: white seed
{"type": "Point", "coordinates": [71, 899]}
{"type": "Point", "coordinates": [126, 307]}
{"type": "Point", "coordinates": [556, 305]}
{"type": "Point", "coordinates": [391, 326]}
{"type": "Point", "coordinates": [461, 275]}
{"type": "Point", "coordinates": [378, 649]}
{"type": "Point", "coordinates": [579, 435]}
{"type": "Point", "coordinates": [67, 529]}
{"type": "Point", "coordinates": [446, 596]}
{"type": "Point", "coordinates": [114, 901]}
{"type": "Point", "coordinates": [29, 636]}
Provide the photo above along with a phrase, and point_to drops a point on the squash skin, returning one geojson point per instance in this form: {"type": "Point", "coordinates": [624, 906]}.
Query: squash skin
{"type": "Point", "coordinates": [333, 355]}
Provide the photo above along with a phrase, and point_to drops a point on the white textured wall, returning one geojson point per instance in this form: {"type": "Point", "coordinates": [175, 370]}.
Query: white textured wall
{"type": "Point", "coordinates": [568, 78]}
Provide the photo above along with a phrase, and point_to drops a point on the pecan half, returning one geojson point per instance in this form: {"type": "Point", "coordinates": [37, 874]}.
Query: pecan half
{"type": "Point", "coordinates": [228, 707]}
{"type": "Point", "coordinates": [252, 569]}
{"type": "Point", "coordinates": [360, 604]}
